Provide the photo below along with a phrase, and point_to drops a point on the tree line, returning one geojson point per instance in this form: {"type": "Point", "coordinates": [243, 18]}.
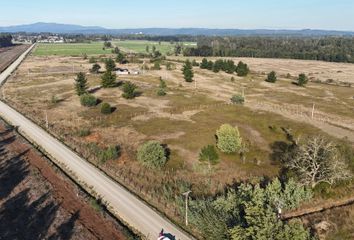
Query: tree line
{"type": "Point", "coordinates": [331, 49]}
{"type": "Point", "coordinates": [5, 40]}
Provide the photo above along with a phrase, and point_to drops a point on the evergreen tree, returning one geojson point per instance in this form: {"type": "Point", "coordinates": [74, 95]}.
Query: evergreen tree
{"type": "Point", "coordinates": [302, 79]}
{"type": "Point", "coordinates": [272, 77]}
{"type": "Point", "coordinates": [129, 90]}
{"type": "Point", "coordinates": [204, 64]}
{"type": "Point", "coordinates": [188, 71]}
{"type": "Point", "coordinates": [110, 65]}
{"type": "Point", "coordinates": [81, 84]}
{"type": "Point", "coordinates": [120, 58]}
{"type": "Point", "coordinates": [108, 80]}
{"type": "Point", "coordinates": [242, 69]}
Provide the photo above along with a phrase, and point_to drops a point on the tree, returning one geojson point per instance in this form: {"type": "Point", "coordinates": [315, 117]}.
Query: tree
{"type": "Point", "coordinates": [120, 58]}
{"type": "Point", "coordinates": [242, 69]}
{"type": "Point", "coordinates": [302, 79]}
{"type": "Point", "coordinates": [178, 49]}
{"type": "Point", "coordinates": [152, 155]}
{"type": "Point", "coordinates": [210, 65]}
{"type": "Point", "coordinates": [208, 154]}
{"type": "Point", "coordinates": [317, 160]}
{"type": "Point", "coordinates": [108, 79]}
{"type": "Point", "coordinates": [81, 84]}
{"type": "Point", "coordinates": [162, 88]}
{"type": "Point", "coordinates": [110, 65]}
{"type": "Point", "coordinates": [228, 139]}
{"type": "Point", "coordinates": [129, 90]}
{"type": "Point", "coordinates": [116, 50]}
{"type": "Point", "coordinates": [106, 108]}
{"type": "Point", "coordinates": [95, 68]}
{"type": "Point", "coordinates": [107, 44]}
{"type": "Point", "coordinates": [147, 48]}
{"type": "Point", "coordinates": [88, 100]}
{"type": "Point", "coordinates": [272, 77]}
{"type": "Point", "coordinates": [249, 212]}
{"type": "Point", "coordinates": [204, 64]}
{"type": "Point", "coordinates": [188, 71]}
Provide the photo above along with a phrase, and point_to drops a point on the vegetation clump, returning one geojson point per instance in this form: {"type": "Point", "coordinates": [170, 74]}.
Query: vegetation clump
{"type": "Point", "coordinates": [228, 139]}
{"type": "Point", "coordinates": [106, 108]}
{"type": "Point", "coordinates": [152, 155]}
{"type": "Point", "coordinates": [162, 88]}
{"type": "Point", "coordinates": [129, 90]}
{"type": "Point", "coordinates": [110, 153]}
{"type": "Point", "coordinates": [238, 99]}
{"type": "Point", "coordinates": [302, 80]}
{"type": "Point", "coordinates": [209, 155]}
{"type": "Point", "coordinates": [95, 68]}
{"type": "Point", "coordinates": [271, 77]}
{"type": "Point", "coordinates": [242, 69]}
{"type": "Point", "coordinates": [88, 100]}
{"type": "Point", "coordinates": [250, 212]}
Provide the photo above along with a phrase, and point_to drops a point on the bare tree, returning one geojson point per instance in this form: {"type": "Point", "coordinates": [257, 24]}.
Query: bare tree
{"type": "Point", "coordinates": [318, 160]}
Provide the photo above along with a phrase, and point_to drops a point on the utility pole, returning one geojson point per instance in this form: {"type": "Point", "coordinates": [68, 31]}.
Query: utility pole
{"type": "Point", "coordinates": [313, 110]}
{"type": "Point", "coordinates": [186, 194]}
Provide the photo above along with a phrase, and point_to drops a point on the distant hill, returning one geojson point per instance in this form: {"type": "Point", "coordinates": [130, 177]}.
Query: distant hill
{"type": "Point", "coordinates": [77, 29]}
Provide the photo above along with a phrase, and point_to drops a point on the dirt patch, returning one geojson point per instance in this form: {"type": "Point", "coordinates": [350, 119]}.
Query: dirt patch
{"type": "Point", "coordinates": [50, 205]}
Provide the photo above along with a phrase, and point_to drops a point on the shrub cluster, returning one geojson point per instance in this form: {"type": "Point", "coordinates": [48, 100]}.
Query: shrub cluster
{"type": "Point", "coordinates": [152, 155]}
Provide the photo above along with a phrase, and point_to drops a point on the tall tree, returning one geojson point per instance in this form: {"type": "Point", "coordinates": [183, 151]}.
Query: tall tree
{"type": "Point", "coordinates": [188, 71]}
{"type": "Point", "coordinates": [302, 79]}
{"type": "Point", "coordinates": [81, 84]}
{"type": "Point", "coordinates": [108, 80]}
{"type": "Point", "coordinates": [110, 65]}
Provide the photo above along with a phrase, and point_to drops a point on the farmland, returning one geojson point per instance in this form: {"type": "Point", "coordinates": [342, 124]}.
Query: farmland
{"type": "Point", "coordinates": [9, 54]}
{"type": "Point", "coordinates": [96, 48]}
{"type": "Point", "coordinates": [186, 118]}
{"type": "Point", "coordinates": [140, 46]}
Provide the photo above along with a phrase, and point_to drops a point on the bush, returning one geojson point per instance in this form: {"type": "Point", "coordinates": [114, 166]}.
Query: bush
{"type": "Point", "coordinates": [242, 69]}
{"type": "Point", "coordinates": [151, 154]}
{"type": "Point", "coordinates": [228, 139]}
{"type": "Point", "coordinates": [106, 108]}
{"type": "Point", "coordinates": [208, 154]}
{"type": "Point", "coordinates": [95, 68]}
{"type": "Point", "coordinates": [302, 79]}
{"type": "Point", "coordinates": [237, 99]}
{"type": "Point", "coordinates": [156, 66]}
{"type": "Point", "coordinates": [111, 153]}
{"type": "Point", "coordinates": [84, 132]}
{"type": "Point", "coordinates": [129, 90]}
{"type": "Point", "coordinates": [88, 100]}
{"type": "Point", "coordinates": [272, 77]}
{"type": "Point", "coordinates": [161, 92]}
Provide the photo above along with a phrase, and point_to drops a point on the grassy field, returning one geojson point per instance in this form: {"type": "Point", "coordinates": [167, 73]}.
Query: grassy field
{"type": "Point", "coordinates": [185, 120]}
{"type": "Point", "coordinates": [95, 48]}
{"type": "Point", "coordinates": [70, 49]}
{"type": "Point", "coordinates": [140, 46]}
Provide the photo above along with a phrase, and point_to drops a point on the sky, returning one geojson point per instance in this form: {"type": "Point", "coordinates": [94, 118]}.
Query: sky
{"type": "Point", "coordinates": [243, 14]}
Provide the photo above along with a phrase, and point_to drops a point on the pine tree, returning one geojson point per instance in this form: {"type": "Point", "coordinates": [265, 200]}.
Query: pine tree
{"type": "Point", "coordinates": [188, 71]}
{"type": "Point", "coordinates": [204, 64]}
{"type": "Point", "coordinates": [81, 84]}
{"type": "Point", "coordinates": [110, 65]}
{"type": "Point", "coordinates": [272, 77]}
{"type": "Point", "coordinates": [108, 80]}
